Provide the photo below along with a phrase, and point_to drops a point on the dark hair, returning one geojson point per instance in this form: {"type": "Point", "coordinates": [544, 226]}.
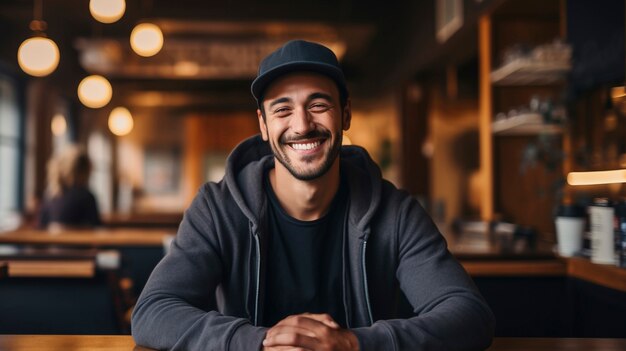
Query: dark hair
{"type": "Point", "coordinates": [71, 167]}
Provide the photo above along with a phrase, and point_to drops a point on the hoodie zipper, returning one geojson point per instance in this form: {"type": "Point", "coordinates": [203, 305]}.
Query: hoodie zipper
{"type": "Point", "coordinates": [365, 285]}
{"type": "Point", "coordinates": [258, 278]}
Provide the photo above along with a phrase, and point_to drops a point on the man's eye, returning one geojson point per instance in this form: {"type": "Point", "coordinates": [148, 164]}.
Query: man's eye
{"type": "Point", "coordinates": [281, 110]}
{"type": "Point", "coordinates": [319, 107]}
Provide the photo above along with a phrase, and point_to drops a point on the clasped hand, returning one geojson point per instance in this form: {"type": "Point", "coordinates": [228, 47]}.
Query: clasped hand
{"type": "Point", "coordinates": [309, 332]}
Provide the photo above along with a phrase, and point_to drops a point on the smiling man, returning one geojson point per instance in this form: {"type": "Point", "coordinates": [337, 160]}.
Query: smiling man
{"type": "Point", "coordinates": [303, 245]}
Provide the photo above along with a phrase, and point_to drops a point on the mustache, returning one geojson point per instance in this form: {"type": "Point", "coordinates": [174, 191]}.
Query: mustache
{"type": "Point", "coordinates": [310, 135]}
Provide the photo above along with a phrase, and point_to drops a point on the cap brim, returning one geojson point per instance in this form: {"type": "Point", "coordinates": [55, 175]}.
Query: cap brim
{"type": "Point", "coordinates": [261, 82]}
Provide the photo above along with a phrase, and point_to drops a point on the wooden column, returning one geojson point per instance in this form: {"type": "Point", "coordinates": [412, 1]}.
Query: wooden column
{"type": "Point", "coordinates": [39, 110]}
{"type": "Point", "coordinates": [414, 131]}
{"type": "Point", "coordinates": [485, 116]}
{"type": "Point", "coordinates": [568, 150]}
{"type": "Point", "coordinates": [192, 156]}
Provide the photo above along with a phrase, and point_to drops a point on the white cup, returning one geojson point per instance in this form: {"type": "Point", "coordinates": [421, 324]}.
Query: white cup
{"type": "Point", "coordinates": [569, 232]}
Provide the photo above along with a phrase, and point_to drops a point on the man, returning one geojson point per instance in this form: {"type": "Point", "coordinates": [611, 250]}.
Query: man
{"type": "Point", "coordinates": [303, 246]}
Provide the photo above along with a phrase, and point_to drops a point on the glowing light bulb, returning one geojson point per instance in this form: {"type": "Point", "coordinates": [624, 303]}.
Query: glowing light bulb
{"type": "Point", "coordinates": [107, 11]}
{"type": "Point", "coordinates": [120, 121]}
{"type": "Point", "coordinates": [95, 91]}
{"type": "Point", "coordinates": [38, 56]}
{"type": "Point", "coordinates": [146, 39]}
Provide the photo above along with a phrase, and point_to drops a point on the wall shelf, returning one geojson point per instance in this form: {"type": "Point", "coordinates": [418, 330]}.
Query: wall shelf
{"type": "Point", "coordinates": [525, 71]}
{"type": "Point", "coordinates": [525, 124]}
{"type": "Point", "coordinates": [511, 27]}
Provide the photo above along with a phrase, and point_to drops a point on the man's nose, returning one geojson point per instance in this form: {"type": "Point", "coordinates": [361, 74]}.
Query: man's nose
{"type": "Point", "coordinates": [301, 122]}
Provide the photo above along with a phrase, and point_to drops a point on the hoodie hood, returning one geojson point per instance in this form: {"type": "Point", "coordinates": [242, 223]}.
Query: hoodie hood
{"type": "Point", "coordinates": [245, 167]}
{"type": "Point", "coordinates": [253, 157]}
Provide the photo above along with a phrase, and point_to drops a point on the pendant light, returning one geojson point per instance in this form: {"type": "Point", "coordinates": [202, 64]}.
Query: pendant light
{"type": "Point", "coordinates": [38, 55]}
{"type": "Point", "coordinates": [95, 91]}
{"type": "Point", "coordinates": [146, 39]}
{"type": "Point", "coordinates": [120, 121]}
{"type": "Point", "coordinates": [107, 11]}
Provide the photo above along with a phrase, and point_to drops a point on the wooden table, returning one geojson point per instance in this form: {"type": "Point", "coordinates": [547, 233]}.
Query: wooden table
{"type": "Point", "coordinates": [126, 343]}
{"type": "Point", "coordinates": [49, 262]}
{"type": "Point", "coordinates": [68, 343]}
{"type": "Point", "coordinates": [515, 268]}
{"type": "Point", "coordinates": [140, 249]}
{"type": "Point", "coordinates": [169, 220]}
{"type": "Point", "coordinates": [87, 237]}
{"type": "Point", "coordinates": [557, 344]}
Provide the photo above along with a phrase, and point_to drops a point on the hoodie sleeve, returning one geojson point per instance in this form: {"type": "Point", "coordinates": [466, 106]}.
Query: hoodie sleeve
{"type": "Point", "coordinates": [177, 310]}
{"type": "Point", "coordinates": [448, 311]}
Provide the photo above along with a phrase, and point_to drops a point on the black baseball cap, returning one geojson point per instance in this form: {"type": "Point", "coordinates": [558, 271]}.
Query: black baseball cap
{"type": "Point", "coordinates": [296, 56]}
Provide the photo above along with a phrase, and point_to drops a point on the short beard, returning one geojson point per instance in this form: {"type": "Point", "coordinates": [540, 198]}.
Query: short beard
{"type": "Point", "coordinates": [315, 173]}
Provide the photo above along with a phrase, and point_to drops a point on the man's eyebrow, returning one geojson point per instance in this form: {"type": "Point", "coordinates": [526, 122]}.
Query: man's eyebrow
{"type": "Point", "coordinates": [320, 96]}
{"type": "Point", "coordinates": [279, 101]}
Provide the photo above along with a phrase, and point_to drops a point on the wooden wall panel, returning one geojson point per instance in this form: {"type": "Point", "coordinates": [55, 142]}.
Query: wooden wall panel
{"type": "Point", "coordinates": [212, 133]}
{"type": "Point", "coordinates": [526, 198]}
{"type": "Point", "coordinates": [414, 119]}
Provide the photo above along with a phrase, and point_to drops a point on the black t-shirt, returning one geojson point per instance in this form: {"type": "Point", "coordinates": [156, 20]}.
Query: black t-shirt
{"type": "Point", "coordinates": [304, 265]}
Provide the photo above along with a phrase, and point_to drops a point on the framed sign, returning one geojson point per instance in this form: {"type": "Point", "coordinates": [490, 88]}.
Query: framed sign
{"type": "Point", "coordinates": [449, 18]}
{"type": "Point", "coordinates": [161, 170]}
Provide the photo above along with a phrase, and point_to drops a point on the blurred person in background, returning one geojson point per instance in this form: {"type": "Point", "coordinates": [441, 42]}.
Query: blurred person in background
{"type": "Point", "coordinates": [69, 202]}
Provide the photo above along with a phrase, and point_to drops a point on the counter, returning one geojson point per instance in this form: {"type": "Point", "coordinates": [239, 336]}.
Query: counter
{"type": "Point", "coordinates": [536, 293]}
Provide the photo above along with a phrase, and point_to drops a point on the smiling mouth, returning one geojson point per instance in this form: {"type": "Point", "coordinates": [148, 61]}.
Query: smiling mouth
{"type": "Point", "coordinates": [305, 146]}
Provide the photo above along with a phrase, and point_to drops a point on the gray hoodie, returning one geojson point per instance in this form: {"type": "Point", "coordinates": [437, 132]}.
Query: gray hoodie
{"type": "Point", "coordinates": [402, 289]}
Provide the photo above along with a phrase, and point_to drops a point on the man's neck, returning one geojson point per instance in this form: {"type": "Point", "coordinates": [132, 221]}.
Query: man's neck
{"type": "Point", "coordinates": [305, 200]}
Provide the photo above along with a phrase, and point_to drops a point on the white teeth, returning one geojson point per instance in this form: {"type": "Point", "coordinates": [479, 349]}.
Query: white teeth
{"type": "Point", "coordinates": [307, 146]}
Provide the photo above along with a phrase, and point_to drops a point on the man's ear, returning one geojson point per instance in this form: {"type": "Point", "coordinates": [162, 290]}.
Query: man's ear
{"type": "Point", "coordinates": [262, 125]}
{"type": "Point", "coordinates": [347, 115]}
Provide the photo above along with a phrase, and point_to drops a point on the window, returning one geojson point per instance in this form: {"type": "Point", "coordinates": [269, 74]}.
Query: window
{"type": "Point", "coordinates": [101, 182]}
{"type": "Point", "coordinates": [62, 128]}
{"type": "Point", "coordinates": [11, 144]}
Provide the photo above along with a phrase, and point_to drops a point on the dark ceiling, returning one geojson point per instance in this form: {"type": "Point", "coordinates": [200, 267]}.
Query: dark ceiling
{"type": "Point", "coordinates": [385, 41]}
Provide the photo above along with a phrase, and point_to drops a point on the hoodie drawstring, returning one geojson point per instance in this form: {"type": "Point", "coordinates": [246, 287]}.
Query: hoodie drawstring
{"type": "Point", "coordinates": [258, 274]}
{"type": "Point", "coordinates": [365, 285]}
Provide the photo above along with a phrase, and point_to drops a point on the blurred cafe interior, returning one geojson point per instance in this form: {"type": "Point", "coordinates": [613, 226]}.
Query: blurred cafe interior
{"type": "Point", "coordinates": [505, 118]}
